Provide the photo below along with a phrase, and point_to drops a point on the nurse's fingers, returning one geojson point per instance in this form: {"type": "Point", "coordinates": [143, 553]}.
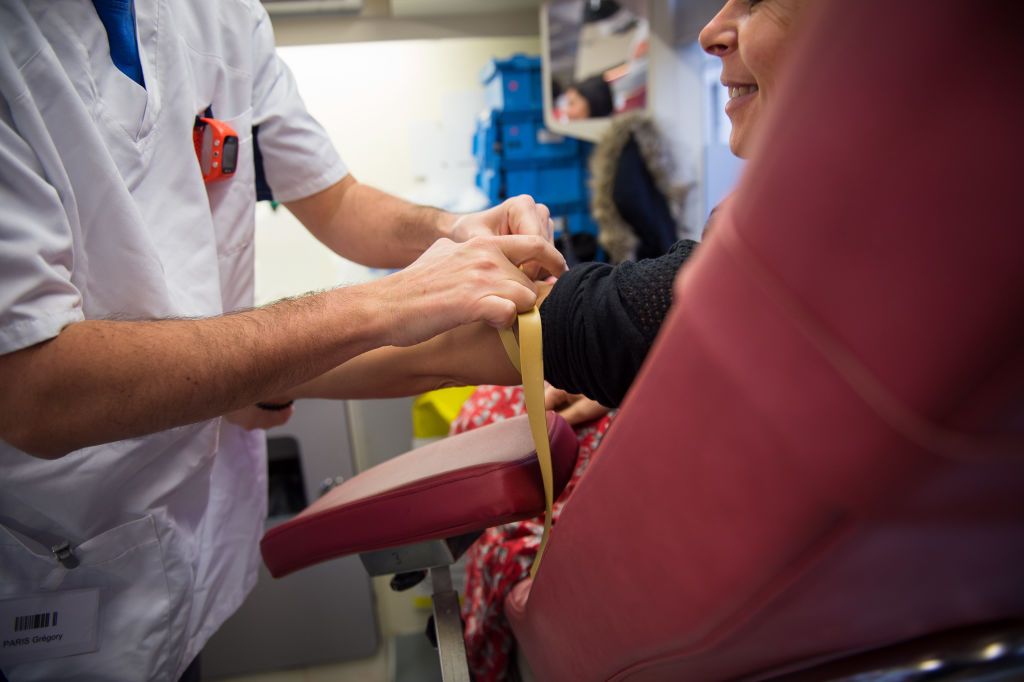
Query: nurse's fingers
{"type": "Point", "coordinates": [500, 309]}
{"type": "Point", "coordinates": [517, 215]}
{"type": "Point", "coordinates": [544, 216]}
{"type": "Point", "coordinates": [453, 284]}
{"type": "Point", "coordinates": [547, 230]}
{"type": "Point", "coordinates": [522, 249]}
{"type": "Point", "coordinates": [525, 216]}
{"type": "Point", "coordinates": [498, 312]}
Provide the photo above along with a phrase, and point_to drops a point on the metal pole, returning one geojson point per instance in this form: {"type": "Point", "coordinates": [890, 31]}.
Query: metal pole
{"type": "Point", "coordinates": [451, 647]}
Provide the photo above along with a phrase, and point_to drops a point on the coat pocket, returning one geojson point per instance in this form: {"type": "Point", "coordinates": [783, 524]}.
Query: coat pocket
{"type": "Point", "coordinates": [137, 602]}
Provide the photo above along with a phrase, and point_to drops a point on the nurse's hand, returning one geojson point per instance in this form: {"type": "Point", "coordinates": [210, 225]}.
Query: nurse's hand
{"type": "Point", "coordinates": [517, 215]}
{"type": "Point", "coordinates": [455, 284]}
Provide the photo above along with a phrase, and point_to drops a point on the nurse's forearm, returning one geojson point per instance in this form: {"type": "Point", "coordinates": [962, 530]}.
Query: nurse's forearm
{"type": "Point", "coordinates": [369, 226]}
{"type": "Point", "coordinates": [101, 381]}
{"type": "Point", "coordinates": [464, 356]}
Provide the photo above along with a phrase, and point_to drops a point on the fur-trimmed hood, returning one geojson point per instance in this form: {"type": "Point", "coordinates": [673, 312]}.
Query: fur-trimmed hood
{"type": "Point", "coordinates": [614, 233]}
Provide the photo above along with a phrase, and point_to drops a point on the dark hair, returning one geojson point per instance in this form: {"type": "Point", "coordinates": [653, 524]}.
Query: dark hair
{"type": "Point", "coordinates": [598, 11]}
{"type": "Point", "coordinates": [598, 94]}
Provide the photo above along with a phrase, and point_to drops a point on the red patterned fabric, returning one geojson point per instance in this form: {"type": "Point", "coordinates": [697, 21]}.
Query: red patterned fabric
{"type": "Point", "coordinates": [502, 556]}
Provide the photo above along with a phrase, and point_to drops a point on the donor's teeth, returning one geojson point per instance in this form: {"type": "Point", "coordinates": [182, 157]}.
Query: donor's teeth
{"type": "Point", "coordinates": [745, 90]}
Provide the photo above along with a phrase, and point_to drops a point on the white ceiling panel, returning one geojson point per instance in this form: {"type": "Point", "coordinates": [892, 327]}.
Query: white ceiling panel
{"type": "Point", "coordinates": [425, 8]}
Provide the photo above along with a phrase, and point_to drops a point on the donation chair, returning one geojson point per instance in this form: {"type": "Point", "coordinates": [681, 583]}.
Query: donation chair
{"type": "Point", "coordinates": [819, 473]}
{"type": "Point", "coordinates": [420, 511]}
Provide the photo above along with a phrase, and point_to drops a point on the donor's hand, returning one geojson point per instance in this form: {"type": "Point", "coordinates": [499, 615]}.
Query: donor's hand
{"type": "Point", "coordinates": [575, 409]}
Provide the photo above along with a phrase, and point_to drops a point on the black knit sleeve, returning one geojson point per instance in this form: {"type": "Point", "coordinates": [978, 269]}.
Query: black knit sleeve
{"type": "Point", "coordinates": [599, 321]}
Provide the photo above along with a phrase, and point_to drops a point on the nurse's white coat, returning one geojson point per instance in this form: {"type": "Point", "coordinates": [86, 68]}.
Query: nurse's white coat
{"type": "Point", "coordinates": [103, 213]}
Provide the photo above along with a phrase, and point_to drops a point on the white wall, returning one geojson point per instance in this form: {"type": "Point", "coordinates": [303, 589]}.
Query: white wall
{"type": "Point", "coordinates": [675, 96]}
{"type": "Point", "coordinates": [401, 113]}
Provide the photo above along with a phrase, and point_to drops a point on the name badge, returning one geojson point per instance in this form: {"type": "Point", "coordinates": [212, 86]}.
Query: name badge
{"type": "Point", "coordinates": [48, 625]}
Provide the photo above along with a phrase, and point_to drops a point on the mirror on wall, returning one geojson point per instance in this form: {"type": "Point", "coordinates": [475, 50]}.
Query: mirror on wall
{"type": "Point", "coordinates": [596, 58]}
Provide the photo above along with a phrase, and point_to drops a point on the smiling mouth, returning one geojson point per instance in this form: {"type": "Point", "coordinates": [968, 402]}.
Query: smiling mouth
{"type": "Point", "coordinates": [741, 90]}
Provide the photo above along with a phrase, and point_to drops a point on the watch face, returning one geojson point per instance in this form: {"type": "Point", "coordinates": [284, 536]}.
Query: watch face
{"type": "Point", "coordinates": [230, 158]}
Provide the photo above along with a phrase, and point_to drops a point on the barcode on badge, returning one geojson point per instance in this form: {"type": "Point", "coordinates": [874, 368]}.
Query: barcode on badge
{"type": "Point", "coordinates": [35, 621]}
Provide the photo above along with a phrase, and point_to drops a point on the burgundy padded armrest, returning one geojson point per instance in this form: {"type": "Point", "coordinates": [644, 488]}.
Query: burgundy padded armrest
{"type": "Point", "coordinates": [464, 483]}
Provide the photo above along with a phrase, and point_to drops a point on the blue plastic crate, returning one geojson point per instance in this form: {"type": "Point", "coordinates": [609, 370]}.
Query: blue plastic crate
{"type": "Point", "coordinates": [528, 139]}
{"type": "Point", "coordinates": [519, 141]}
{"type": "Point", "coordinates": [550, 184]}
{"type": "Point", "coordinates": [567, 209]}
{"type": "Point", "coordinates": [580, 222]}
{"type": "Point", "coordinates": [513, 84]}
{"type": "Point", "coordinates": [486, 149]}
{"type": "Point", "coordinates": [489, 181]}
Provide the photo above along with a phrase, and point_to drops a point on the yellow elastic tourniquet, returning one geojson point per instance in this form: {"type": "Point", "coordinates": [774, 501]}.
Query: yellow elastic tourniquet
{"type": "Point", "coordinates": [508, 340]}
{"type": "Point", "coordinates": [530, 364]}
